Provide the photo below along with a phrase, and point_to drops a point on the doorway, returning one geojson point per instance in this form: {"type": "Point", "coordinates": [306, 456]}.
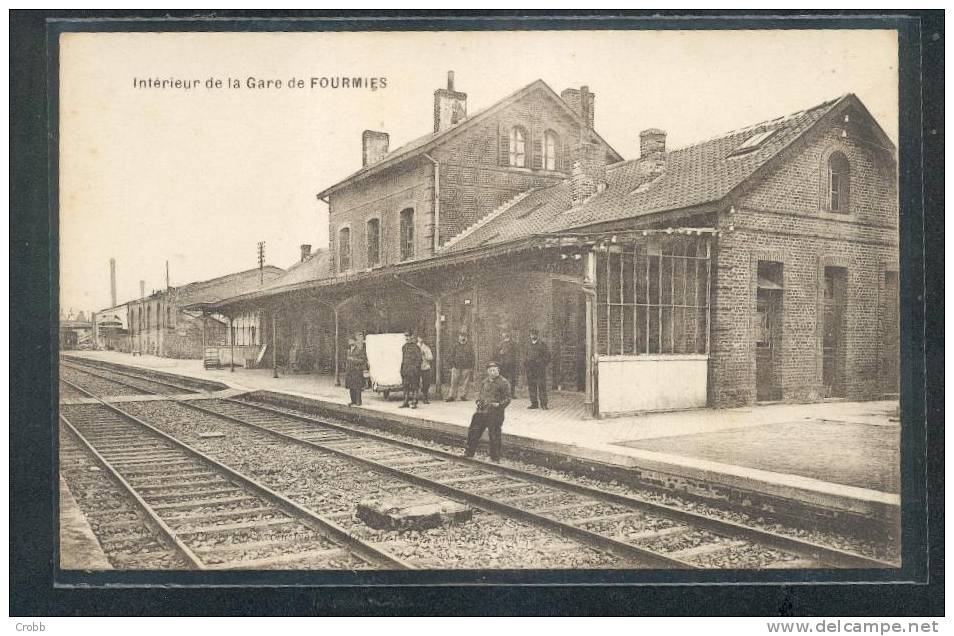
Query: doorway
{"type": "Point", "coordinates": [834, 332]}
{"type": "Point", "coordinates": [569, 346]}
{"type": "Point", "coordinates": [768, 332]}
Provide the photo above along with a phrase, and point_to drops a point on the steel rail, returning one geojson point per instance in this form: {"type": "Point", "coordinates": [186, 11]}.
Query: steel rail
{"type": "Point", "coordinates": [97, 371]}
{"type": "Point", "coordinates": [592, 539]}
{"type": "Point", "coordinates": [826, 554]}
{"type": "Point", "coordinates": [151, 514]}
{"type": "Point", "coordinates": [316, 522]}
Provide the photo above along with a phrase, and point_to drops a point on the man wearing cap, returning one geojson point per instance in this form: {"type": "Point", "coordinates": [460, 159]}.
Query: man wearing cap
{"type": "Point", "coordinates": [538, 357]}
{"type": "Point", "coordinates": [461, 363]}
{"type": "Point", "coordinates": [492, 399]}
{"type": "Point", "coordinates": [410, 371]}
{"type": "Point", "coordinates": [507, 359]}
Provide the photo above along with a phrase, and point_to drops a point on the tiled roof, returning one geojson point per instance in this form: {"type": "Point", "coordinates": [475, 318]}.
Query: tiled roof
{"type": "Point", "coordinates": [697, 174]}
{"type": "Point", "coordinates": [210, 291]}
{"type": "Point", "coordinates": [316, 266]}
{"type": "Point", "coordinates": [423, 143]}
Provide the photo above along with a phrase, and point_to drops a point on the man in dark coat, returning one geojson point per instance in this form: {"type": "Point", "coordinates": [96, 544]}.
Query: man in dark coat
{"type": "Point", "coordinates": [462, 365]}
{"type": "Point", "coordinates": [410, 371]}
{"type": "Point", "coordinates": [538, 357]}
{"type": "Point", "coordinates": [507, 358]}
{"type": "Point", "coordinates": [492, 399]}
{"type": "Point", "coordinates": [355, 366]}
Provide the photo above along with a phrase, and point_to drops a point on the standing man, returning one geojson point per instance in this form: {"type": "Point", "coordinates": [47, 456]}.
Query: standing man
{"type": "Point", "coordinates": [507, 357]}
{"type": "Point", "coordinates": [355, 365]}
{"type": "Point", "coordinates": [410, 371]}
{"type": "Point", "coordinates": [427, 373]}
{"type": "Point", "coordinates": [538, 357]}
{"type": "Point", "coordinates": [492, 399]}
{"type": "Point", "coordinates": [462, 364]}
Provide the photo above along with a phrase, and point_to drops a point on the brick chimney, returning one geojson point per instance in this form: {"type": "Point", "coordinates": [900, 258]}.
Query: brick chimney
{"type": "Point", "coordinates": [305, 251]}
{"type": "Point", "coordinates": [374, 145]}
{"type": "Point", "coordinates": [582, 102]}
{"type": "Point", "coordinates": [589, 172]}
{"type": "Point", "coordinates": [652, 144]}
{"type": "Point", "coordinates": [450, 106]}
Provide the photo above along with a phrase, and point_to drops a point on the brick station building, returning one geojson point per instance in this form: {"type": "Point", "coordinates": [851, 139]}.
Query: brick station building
{"type": "Point", "coordinates": [760, 265]}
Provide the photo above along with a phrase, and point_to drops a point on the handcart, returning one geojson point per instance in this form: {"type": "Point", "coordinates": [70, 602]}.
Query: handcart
{"type": "Point", "coordinates": [384, 361]}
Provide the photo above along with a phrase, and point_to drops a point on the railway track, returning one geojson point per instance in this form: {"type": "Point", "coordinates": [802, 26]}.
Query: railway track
{"type": "Point", "coordinates": [213, 516]}
{"type": "Point", "coordinates": [653, 535]}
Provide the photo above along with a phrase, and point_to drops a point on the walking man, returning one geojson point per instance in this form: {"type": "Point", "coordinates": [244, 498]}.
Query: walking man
{"type": "Point", "coordinates": [538, 357]}
{"type": "Point", "coordinates": [427, 373]}
{"type": "Point", "coordinates": [410, 371]}
{"type": "Point", "coordinates": [507, 357]}
{"type": "Point", "coordinates": [492, 399]}
{"type": "Point", "coordinates": [355, 365]}
{"type": "Point", "coordinates": [462, 365]}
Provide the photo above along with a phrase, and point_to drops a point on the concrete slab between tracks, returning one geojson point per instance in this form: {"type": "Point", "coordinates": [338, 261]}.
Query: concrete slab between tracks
{"type": "Point", "coordinates": [690, 452]}
{"type": "Point", "coordinates": [79, 548]}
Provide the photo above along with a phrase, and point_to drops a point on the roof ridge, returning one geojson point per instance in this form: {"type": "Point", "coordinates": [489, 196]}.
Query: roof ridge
{"type": "Point", "coordinates": [766, 122]}
{"type": "Point", "coordinates": [418, 144]}
{"type": "Point", "coordinates": [487, 218]}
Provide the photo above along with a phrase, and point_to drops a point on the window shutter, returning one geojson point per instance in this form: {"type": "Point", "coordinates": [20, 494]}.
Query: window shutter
{"type": "Point", "coordinates": [536, 149]}
{"type": "Point", "coordinates": [503, 145]}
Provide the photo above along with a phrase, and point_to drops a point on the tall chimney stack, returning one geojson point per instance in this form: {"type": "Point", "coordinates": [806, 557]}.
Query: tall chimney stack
{"type": "Point", "coordinates": [374, 145]}
{"type": "Point", "coordinates": [652, 144]}
{"type": "Point", "coordinates": [142, 289]}
{"type": "Point", "coordinates": [589, 172]}
{"type": "Point", "coordinates": [112, 281]}
{"type": "Point", "coordinates": [450, 106]}
{"type": "Point", "coordinates": [582, 102]}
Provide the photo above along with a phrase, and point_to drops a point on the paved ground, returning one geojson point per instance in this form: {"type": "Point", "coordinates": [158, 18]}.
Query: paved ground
{"type": "Point", "coordinates": [760, 446]}
{"type": "Point", "coordinates": [810, 448]}
{"type": "Point", "coordinates": [79, 548]}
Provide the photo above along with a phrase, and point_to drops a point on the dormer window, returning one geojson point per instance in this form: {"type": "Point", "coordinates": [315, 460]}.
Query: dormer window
{"type": "Point", "coordinates": [753, 142]}
{"type": "Point", "coordinates": [518, 147]}
{"type": "Point", "coordinates": [839, 179]}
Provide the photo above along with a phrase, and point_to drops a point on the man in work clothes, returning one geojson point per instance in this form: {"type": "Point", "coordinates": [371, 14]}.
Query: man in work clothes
{"type": "Point", "coordinates": [410, 371]}
{"type": "Point", "coordinates": [538, 357]}
{"type": "Point", "coordinates": [462, 364]}
{"type": "Point", "coordinates": [507, 358]}
{"type": "Point", "coordinates": [427, 373]}
{"type": "Point", "coordinates": [492, 399]}
{"type": "Point", "coordinates": [355, 366]}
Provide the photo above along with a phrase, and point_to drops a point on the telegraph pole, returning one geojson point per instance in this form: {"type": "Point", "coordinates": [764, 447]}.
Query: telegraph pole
{"type": "Point", "coordinates": [261, 262]}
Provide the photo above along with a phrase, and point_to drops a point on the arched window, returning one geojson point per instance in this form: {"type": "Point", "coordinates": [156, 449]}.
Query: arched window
{"type": "Point", "coordinates": [374, 242]}
{"type": "Point", "coordinates": [407, 233]}
{"type": "Point", "coordinates": [344, 249]}
{"type": "Point", "coordinates": [839, 183]}
{"type": "Point", "coordinates": [518, 147]}
{"type": "Point", "coordinates": [550, 144]}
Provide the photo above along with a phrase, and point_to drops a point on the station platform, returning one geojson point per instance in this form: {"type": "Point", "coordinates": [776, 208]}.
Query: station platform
{"type": "Point", "coordinates": [835, 457]}
{"type": "Point", "coordinates": [79, 548]}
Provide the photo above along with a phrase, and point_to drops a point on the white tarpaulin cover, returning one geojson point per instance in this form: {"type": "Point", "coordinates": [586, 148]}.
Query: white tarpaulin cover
{"type": "Point", "coordinates": [384, 358]}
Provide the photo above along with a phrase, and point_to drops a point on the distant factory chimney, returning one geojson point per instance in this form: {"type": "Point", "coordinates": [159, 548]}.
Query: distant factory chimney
{"type": "Point", "coordinates": [112, 281]}
{"type": "Point", "coordinates": [142, 289]}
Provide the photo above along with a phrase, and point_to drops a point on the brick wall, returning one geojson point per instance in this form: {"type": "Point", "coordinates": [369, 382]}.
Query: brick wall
{"type": "Point", "coordinates": [475, 179]}
{"type": "Point", "coordinates": [783, 220]}
{"type": "Point", "coordinates": [383, 196]}
{"type": "Point", "coordinates": [475, 175]}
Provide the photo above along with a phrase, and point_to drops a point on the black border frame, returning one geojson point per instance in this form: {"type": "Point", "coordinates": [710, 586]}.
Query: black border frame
{"type": "Point", "coordinates": [33, 279]}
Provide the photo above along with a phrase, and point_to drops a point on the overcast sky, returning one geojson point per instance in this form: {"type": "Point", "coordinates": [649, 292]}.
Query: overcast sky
{"type": "Point", "coordinates": [198, 177]}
